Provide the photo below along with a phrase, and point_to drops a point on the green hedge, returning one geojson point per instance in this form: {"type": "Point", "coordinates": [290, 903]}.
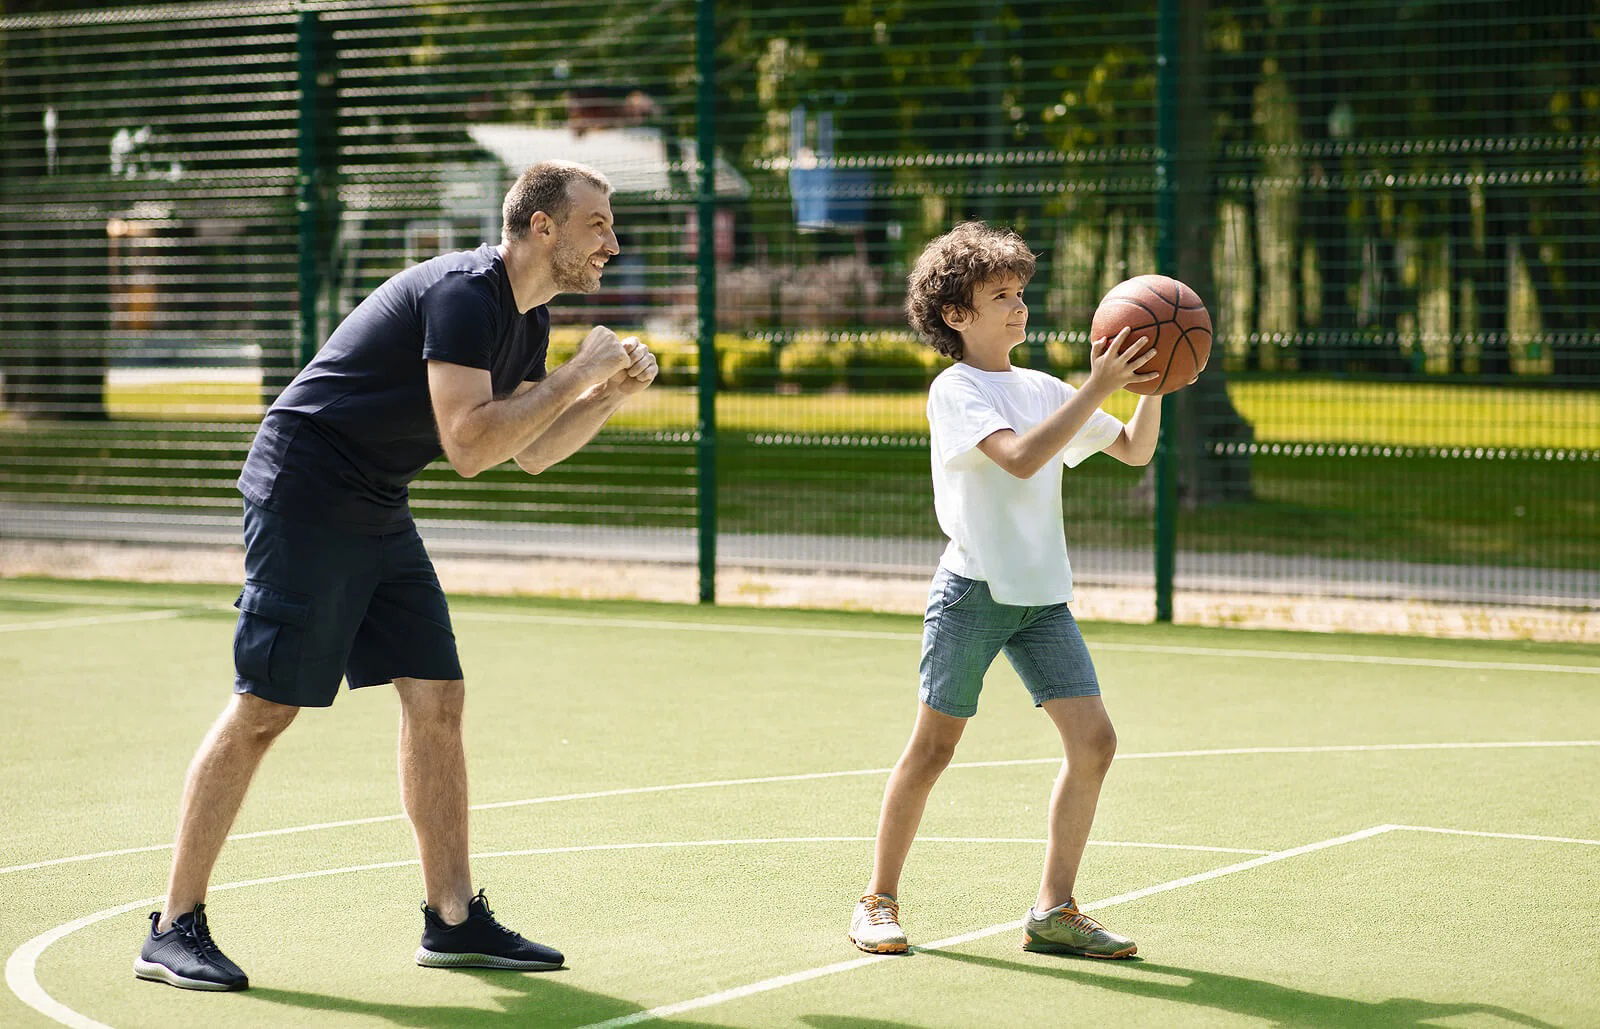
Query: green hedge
{"type": "Point", "coordinates": [864, 362]}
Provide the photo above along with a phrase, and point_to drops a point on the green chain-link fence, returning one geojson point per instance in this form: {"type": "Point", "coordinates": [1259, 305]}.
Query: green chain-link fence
{"type": "Point", "coordinates": [1392, 212]}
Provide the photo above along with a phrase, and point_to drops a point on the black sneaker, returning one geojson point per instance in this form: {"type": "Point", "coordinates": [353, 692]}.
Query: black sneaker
{"type": "Point", "coordinates": [480, 942]}
{"type": "Point", "coordinates": [185, 956]}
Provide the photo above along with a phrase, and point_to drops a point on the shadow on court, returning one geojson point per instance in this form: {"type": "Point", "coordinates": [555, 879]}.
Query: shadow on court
{"type": "Point", "coordinates": [1256, 998]}
{"type": "Point", "coordinates": [537, 999]}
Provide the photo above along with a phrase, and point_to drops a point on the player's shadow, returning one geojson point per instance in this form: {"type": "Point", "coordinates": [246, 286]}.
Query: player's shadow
{"type": "Point", "coordinates": [525, 1000]}
{"type": "Point", "coordinates": [1256, 998]}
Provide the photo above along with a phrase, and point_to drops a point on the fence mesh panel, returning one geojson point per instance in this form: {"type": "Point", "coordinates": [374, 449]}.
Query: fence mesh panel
{"type": "Point", "coordinates": [1391, 212]}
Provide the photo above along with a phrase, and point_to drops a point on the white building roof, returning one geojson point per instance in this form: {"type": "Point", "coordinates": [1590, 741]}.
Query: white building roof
{"type": "Point", "coordinates": [636, 159]}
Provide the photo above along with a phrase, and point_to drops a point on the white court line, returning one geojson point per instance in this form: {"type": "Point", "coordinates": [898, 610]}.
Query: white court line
{"type": "Point", "coordinates": [777, 982]}
{"type": "Point", "coordinates": [765, 985]}
{"type": "Point", "coordinates": [72, 623]}
{"type": "Point", "coordinates": [629, 791]}
{"type": "Point", "coordinates": [84, 600]}
{"type": "Point", "coordinates": [667, 625]}
{"type": "Point", "coordinates": [1134, 648]}
{"type": "Point", "coordinates": [1499, 835]}
{"type": "Point", "coordinates": [22, 966]}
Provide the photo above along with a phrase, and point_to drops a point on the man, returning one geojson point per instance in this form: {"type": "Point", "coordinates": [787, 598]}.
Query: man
{"type": "Point", "coordinates": [447, 357]}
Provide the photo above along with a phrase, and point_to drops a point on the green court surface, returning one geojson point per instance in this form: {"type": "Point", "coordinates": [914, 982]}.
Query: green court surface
{"type": "Point", "coordinates": [1300, 829]}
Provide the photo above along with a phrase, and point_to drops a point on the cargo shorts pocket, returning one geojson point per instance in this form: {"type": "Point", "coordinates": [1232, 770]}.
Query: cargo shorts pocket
{"type": "Point", "coordinates": [270, 637]}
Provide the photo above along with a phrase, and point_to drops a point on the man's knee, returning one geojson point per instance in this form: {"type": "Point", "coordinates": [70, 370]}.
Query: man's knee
{"type": "Point", "coordinates": [260, 721]}
{"type": "Point", "coordinates": [434, 702]}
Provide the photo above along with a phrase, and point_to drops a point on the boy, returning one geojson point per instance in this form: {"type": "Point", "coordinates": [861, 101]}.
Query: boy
{"type": "Point", "coordinates": [999, 437]}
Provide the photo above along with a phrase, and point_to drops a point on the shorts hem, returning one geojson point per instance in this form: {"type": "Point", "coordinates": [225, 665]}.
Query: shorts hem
{"type": "Point", "coordinates": [277, 697]}
{"type": "Point", "coordinates": [362, 682]}
{"type": "Point", "coordinates": [1082, 689]}
{"type": "Point", "coordinates": [943, 708]}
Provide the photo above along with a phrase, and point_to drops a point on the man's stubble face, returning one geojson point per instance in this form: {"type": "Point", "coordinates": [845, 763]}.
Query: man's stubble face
{"type": "Point", "coordinates": [571, 268]}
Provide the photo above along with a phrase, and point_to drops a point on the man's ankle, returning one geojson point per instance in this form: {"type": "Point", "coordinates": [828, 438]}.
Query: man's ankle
{"type": "Point", "coordinates": [171, 913]}
{"type": "Point", "coordinates": [451, 913]}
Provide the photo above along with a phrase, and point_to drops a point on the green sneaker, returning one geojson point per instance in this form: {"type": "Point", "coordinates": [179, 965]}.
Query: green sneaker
{"type": "Point", "coordinates": [1066, 930]}
{"type": "Point", "coordinates": [875, 926]}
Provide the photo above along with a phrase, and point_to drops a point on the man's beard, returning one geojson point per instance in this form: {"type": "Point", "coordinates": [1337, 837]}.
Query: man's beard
{"type": "Point", "coordinates": [571, 270]}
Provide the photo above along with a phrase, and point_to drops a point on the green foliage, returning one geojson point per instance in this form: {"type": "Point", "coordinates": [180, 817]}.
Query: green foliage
{"type": "Point", "coordinates": [889, 363]}
{"type": "Point", "coordinates": [809, 364]}
{"type": "Point", "coordinates": [745, 364]}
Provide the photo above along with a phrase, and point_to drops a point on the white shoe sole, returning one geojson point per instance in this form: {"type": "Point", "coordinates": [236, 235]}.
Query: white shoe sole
{"type": "Point", "coordinates": [159, 973]}
{"type": "Point", "coordinates": [436, 959]}
{"type": "Point", "coordinates": [880, 948]}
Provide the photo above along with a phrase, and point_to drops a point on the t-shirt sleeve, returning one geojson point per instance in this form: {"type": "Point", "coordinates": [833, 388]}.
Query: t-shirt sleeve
{"type": "Point", "coordinates": [458, 321]}
{"type": "Point", "coordinates": [959, 418]}
{"type": "Point", "coordinates": [1099, 432]}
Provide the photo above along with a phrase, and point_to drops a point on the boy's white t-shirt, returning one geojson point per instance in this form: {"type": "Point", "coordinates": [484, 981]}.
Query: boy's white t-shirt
{"type": "Point", "coordinates": [1004, 530]}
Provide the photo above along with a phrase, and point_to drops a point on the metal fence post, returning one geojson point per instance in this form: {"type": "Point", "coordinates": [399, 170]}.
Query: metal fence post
{"type": "Point", "coordinates": [308, 204]}
{"type": "Point", "coordinates": [706, 292]}
{"type": "Point", "coordinates": [1166, 530]}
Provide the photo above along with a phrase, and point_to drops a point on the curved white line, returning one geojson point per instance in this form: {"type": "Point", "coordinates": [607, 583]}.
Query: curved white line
{"type": "Point", "coordinates": [809, 776]}
{"type": "Point", "coordinates": [22, 965]}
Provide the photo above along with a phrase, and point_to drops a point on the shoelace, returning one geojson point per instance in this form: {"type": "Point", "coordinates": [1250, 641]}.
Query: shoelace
{"type": "Point", "coordinates": [489, 914]}
{"type": "Point", "coordinates": [201, 932]}
{"type": "Point", "coordinates": [881, 910]}
{"type": "Point", "coordinates": [1079, 921]}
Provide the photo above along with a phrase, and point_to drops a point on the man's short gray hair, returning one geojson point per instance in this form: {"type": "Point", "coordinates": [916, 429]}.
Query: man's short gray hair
{"type": "Point", "coordinates": [546, 187]}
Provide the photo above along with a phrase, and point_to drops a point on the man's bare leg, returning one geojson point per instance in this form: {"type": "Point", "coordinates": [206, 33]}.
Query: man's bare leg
{"type": "Point", "coordinates": [433, 788]}
{"type": "Point", "coordinates": [213, 792]}
{"type": "Point", "coordinates": [1090, 743]}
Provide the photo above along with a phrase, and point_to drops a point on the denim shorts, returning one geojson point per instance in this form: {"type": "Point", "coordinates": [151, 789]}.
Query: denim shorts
{"type": "Point", "coordinates": [321, 603]}
{"type": "Point", "coordinates": [965, 628]}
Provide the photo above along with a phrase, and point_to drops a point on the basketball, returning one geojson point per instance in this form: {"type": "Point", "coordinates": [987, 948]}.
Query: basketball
{"type": "Point", "coordinates": [1172, 315]}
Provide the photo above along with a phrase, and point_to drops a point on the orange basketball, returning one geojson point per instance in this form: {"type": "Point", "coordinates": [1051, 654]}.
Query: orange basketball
{"type": "Point", "coordinates": [1171, 314]}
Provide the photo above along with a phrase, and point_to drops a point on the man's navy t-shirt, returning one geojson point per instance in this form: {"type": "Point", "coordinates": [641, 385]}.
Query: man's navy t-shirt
{"type": "Point", "coordinates": [356, 425]}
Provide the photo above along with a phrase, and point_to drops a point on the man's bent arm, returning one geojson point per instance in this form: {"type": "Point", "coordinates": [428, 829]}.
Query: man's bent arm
{"type": "Point", "coordinates": [573, 428]}
{"type": "Point", "coordinates": [477, 431]}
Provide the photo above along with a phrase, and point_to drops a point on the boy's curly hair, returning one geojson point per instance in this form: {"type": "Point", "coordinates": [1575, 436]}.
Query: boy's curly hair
{"type": "Point", "coordinates": [948, 271]}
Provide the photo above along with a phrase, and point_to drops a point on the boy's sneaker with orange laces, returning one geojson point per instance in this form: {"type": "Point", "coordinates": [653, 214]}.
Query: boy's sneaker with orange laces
{"type": "Point", "coordinates": [875, 926]}
{"type": "Point", "coordinates": [1066, 930]}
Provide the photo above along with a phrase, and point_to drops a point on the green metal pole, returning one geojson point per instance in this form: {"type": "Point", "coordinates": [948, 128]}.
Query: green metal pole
{"type": "Point", "coordinates": [1166, 528]}
{"type": "Point", "coordinates": [706, 292]}
{"type": "Point", "coordinates": [308, 203]}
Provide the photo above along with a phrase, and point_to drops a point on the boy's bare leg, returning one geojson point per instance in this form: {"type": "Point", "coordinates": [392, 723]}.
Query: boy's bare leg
{"type": "Point", "coordinates": [433, 788]}
{"type": "Point", "coordinates": [1090, 743]}
{"type": "Point", "coordinates": [214, 790]}
{"type": "Point", "coordinates": [933, 743]}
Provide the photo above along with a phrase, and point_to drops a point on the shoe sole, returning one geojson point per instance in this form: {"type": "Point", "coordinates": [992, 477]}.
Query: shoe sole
{"type": "Point", "coordinates": [157, 973]}
{"type": "Point", "coordinates": [439, 959]}
{"type": "Point", "coordinates": [880, 948]}
{"type": "Point", "coordinates": [1046, 947]}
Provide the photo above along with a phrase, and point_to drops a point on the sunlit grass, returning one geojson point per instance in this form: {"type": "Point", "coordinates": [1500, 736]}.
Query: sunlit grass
{"type": "Point", "coordinates": [1386, 414]}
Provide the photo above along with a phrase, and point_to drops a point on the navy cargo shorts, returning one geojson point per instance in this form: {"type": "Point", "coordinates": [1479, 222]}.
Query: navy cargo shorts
{"type": "Point", "coordinates": [322, 603]}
